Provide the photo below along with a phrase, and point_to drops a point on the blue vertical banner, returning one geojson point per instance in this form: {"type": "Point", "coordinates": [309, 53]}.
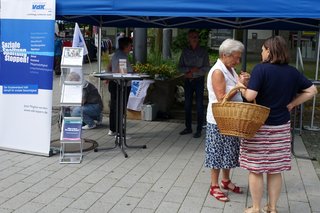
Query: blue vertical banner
{"type": "Point", "coordinates": [26, 74]}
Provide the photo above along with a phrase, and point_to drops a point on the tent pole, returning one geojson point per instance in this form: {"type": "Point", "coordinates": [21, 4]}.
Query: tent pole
{"type": "Point", "coordinates": [299, 60]}
{"type": "Point", "coordinates": [99, 48]}
{"type": "Point", "coordinates": [312, 127]}
{"type": "Point", "coordinates": [99, 55]}
{"type": "Point", "coordinates": [245, 52]}
{"type": "Point", "coordinates": [318, 55]}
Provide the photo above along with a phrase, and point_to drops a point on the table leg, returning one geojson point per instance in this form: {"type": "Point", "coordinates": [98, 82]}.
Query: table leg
{"type": "Point", "coordinates": [121, 120]}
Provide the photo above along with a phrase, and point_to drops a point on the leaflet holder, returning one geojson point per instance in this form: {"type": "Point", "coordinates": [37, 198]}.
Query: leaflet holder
{"type": "Point", "coordinates": [71, 96]}
{"type": "Point", "coordinates": [71, 136]}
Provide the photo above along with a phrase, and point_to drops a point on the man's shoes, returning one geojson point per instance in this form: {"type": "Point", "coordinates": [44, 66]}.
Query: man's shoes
{"type": "Point", "coordinates": [197, 135]}
{"type": "Point", "coordinates": [89, 127]}
{"type": "Point", "coordinates": [110, 133]}
{"type": "Point", "coordinates": [185, 131]}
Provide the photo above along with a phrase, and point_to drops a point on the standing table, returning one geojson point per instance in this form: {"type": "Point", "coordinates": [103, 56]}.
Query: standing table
{"type": "Point", "coordinates": [122, 80]}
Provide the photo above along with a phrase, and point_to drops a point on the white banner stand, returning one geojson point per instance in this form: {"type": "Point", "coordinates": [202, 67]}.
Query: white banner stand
{"type": "Point", "coordinates": [26, 61]}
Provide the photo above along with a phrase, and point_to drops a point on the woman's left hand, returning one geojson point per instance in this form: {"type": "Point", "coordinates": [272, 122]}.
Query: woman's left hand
{"type": "Point", "coordinates": [290, 106]}
{"type": "Point", "coordinates": [244, 78]}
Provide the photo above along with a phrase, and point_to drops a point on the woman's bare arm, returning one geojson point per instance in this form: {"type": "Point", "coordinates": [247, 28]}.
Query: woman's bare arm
{"type": "Point", "coordinates": [218, 84]}
{"type": "Point", "coordinates": [303, 97]}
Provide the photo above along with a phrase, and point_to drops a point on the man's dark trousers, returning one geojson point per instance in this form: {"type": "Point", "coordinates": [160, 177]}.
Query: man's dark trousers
{"type": "Point", "coordinates": [194, 85]}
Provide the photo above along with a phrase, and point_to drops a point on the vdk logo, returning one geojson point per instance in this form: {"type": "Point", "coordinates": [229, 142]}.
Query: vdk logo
{"type": "Point", "coordinates": [38, 6]}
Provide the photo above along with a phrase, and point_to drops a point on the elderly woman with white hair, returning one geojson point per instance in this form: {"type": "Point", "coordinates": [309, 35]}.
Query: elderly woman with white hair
{"type": "Point", "coordinates": [222, 152]}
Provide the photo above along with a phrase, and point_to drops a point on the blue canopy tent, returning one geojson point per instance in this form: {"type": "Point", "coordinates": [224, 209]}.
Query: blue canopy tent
{"type": "Point", "coordinates": [235, 14]}
{"type": "Point", "coordinates": [226, 14]}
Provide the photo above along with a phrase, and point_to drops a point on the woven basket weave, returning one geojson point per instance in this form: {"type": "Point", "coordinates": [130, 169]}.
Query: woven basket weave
{"type": "Point", "coordinates": [238, 118]}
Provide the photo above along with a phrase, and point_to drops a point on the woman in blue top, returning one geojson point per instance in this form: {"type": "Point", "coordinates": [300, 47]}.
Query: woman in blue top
{"type": "Point", "coordinates": [280, 87]}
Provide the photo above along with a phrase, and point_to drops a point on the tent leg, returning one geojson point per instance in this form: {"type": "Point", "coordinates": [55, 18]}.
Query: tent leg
{"type": "Point", "coordinates": [244, 56]}
{"type": "Point", "coordinates": [312, 127]}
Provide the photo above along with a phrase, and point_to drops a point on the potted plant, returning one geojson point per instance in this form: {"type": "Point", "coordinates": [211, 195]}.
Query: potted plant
{"type": "Point", "coordinates": [158, 72]}
{"type": "Point", "coordinates": [165, 74]}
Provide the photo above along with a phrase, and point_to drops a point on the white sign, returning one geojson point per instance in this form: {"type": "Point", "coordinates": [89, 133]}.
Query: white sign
{"type": "Point", "coordinates": [138, 93]}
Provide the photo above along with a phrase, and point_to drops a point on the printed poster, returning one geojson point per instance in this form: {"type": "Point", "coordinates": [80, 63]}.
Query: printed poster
{"type": "Point", "coordinates": [138, 93]}
{"type": "Point", "coordinates": [26, 74]}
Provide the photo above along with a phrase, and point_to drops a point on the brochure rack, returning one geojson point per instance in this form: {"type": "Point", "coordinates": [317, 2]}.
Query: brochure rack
{"type": "Point", "coordinates": [71, 96]}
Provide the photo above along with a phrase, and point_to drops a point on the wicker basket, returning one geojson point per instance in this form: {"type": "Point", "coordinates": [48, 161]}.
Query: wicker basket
{"type": "Point", "coordinates": [238, 118]}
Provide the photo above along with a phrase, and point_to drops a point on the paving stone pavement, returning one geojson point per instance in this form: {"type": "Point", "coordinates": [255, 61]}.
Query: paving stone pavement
{"type": "Point", "coordinates": [168, 176]}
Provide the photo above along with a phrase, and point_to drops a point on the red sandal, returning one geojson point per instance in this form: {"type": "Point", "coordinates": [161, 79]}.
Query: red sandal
{"type": "Point", "coordinates": [219, 195]}
{"type": "Point", "coordinates": [225, 185]}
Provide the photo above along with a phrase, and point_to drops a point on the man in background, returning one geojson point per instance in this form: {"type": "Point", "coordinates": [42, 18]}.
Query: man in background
{"type": "Point", "coordinates": [92, 105]}
{"type": "Point", "coordinates": [194, 64]}
{"type": "Point", "coordinates": [125, 46]}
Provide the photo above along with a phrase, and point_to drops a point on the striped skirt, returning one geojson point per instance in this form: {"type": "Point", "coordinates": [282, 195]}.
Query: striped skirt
{"type": "Point", "coordinates": [269, 151]}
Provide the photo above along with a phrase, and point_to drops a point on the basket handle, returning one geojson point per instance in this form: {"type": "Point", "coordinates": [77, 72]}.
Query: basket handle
{"type": "Point", "coordinates": [227, 96]}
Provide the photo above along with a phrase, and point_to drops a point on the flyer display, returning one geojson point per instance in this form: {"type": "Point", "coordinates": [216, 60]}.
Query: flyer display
{"type": "Point", "coordinates": [71, 96]}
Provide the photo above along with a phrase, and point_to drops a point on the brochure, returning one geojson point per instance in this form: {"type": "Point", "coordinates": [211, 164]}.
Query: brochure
{"type": "Point", "coordinates": [71, 94]}
{"type": "Point", "coordinates": [72, 56]}
{"type": "Point", "coordinates": [71, 129]}
{"type": "Point", "coordinates": [122, 66]}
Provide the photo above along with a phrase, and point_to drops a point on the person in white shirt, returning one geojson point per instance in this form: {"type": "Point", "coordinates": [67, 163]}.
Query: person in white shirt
{"type": "Point", "coordinates": [125, 46]}
{"type": "Point", "coordinates": [222, 152]}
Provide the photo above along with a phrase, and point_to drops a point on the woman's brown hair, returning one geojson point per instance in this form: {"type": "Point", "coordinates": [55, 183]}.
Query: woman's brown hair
{"type": "Point", "coordinates": [277, 47]}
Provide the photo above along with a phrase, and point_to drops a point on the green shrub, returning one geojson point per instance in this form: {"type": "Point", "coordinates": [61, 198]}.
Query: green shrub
{"type": "Point", "coordinates": [157, 67]}
{"type": "Point", "coordinates": [160, 72]}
